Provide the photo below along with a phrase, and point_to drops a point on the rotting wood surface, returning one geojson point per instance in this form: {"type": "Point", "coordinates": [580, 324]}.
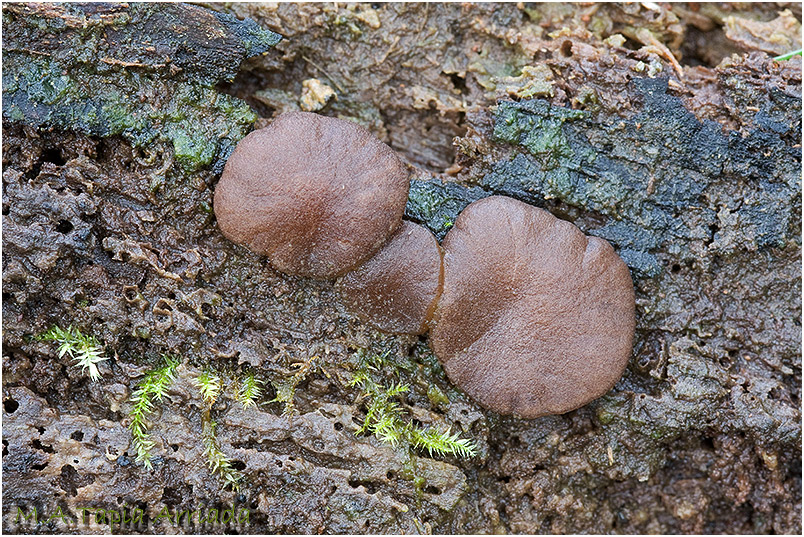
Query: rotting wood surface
{"type": "Point", "coordinates": [112, 232]}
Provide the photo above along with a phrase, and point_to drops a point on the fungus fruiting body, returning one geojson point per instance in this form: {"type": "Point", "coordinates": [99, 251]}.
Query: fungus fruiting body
{"type": "Point", "coordinates": [535, 317]}
{"type": "Point", "coordinates": [317, 195]}
{"type": "Point", "coordinates": [527, 314]}
{"type": "Point", "coordinates": [396, 290]}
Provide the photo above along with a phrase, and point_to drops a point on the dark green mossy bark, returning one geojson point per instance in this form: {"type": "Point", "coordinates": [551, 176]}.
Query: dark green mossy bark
{"type": "Point", "coordinates": [145, 71]}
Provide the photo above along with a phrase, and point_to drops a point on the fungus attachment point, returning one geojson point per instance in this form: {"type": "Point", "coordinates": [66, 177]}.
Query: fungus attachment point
{"type": "Point", "coordinates": [317, 195]}
{"type": "Point", "coordinates": [396, 290]}
{"type": "Point", "coordinates": [535, 318]}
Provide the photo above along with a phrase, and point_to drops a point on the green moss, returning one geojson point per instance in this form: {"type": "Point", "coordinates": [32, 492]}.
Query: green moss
{"type": "Point", "coordinates": [787, 56]}
{"type": "Point", "coordinates": [150, 390]}
{"type": "Point", "coordinates": [85, 350]}
{"type": "Point", "coordinates": [647, 174]}
{"type": "Point", "coordinates": [605, 416]}
{"type": "Point", "coordinates": [489, 70]}
{"type": "Point", "coordinates": [201, 125]}
{"type": "Point", "coordinates": [249, 390]}
{"type": "Point", "coordinates": [141, 96]}
{"type": "Point", "coordinates": [385, 417]}
{"type": "Point", "coordinates": [213, 384]}
{"type": "Point", "coordinates": [218, 462]}
{"type": "Point", "coordinates": [286, 387]}
{"type": "Point", "coordinates": [436, 396]}
{"type": "Point", "coordinates": [436, 205]}
{"type": "Point", "coordinates": [536, 125]}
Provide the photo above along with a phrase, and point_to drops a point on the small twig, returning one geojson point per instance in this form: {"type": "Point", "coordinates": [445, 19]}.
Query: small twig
{"type": "Point", "coordinates": [323, 72]}
{"type": "Point", "coordinates": [388, 52]}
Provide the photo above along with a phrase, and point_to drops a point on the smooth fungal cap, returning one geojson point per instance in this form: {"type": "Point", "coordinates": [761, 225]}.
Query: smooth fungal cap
{"type": "Point", "coordinates": [396, 290]}
{"type": "Point", "coordinates": [317, 195]}
{"type": "Point", "coordinates": [535, 318]}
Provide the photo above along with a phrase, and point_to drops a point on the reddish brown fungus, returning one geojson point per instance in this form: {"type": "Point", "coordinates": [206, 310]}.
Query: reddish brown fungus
{"type": "Point", "coordinates": [317, 195]}
{"type": "Point", "coordinates": [396, 290]}
{"type": "Point", "coordinates": [535, 317]}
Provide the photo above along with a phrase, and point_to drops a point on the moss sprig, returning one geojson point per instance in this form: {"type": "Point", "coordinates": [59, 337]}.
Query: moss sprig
{"type": "Point", "coordinates": [214, 384]}
{"type": "Point", "coordinates": [217, 460]}
{"type": "Point", "coordinates": [210, 385]}
{"type": "Point", "coordinates": [152, 387]}
{"type": "Point", "coordinates": [286, 388]}
{"type": "Point", "coordinates": [384, 419]}
{"type": "Point", "coordinates": [442, 443]}
{"type": "Point", "coordinates": [787, 56]}
{"type": "Point", "coordinates": [250, 389]}
{"type": "Point", "coordinates": [87, 351]}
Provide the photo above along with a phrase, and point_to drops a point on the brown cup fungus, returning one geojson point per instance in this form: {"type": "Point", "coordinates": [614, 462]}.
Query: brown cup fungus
{"type": "Point", "coordinates": [527, 314]}
{"type": "Point", "coordinates": [396, 290]}
{"type": "Point", "coordinates": [535, 318]}
{"type": "Point", "coordinates": [317, 195]}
